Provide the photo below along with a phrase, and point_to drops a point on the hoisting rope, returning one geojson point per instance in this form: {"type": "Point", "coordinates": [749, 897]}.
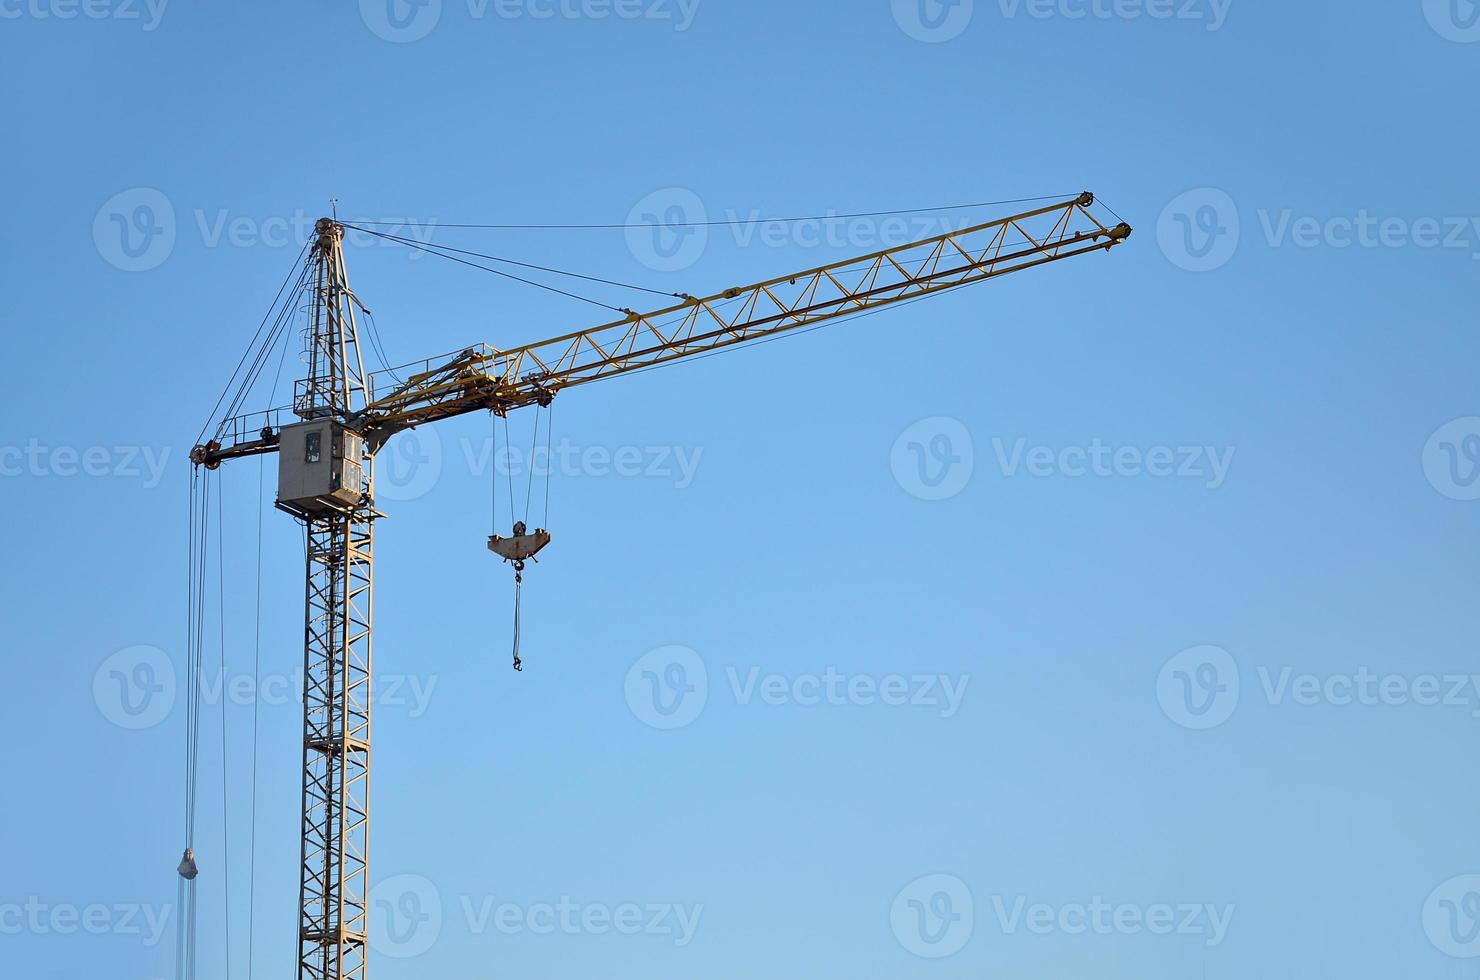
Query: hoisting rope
{"type": "Point", "coordinates": [256, 712]}
{"type": "Point", "coordinates": [521, 527]}
{"type": "Point", "coordinates": [549, 464]}
{"type": "Point", "coordinates": [225, 807]}
{"type": "Point", "coordinates": [518, 594]}
{"type": "Point", "coordinates": [534, 443]}
{"type": "Point", "coordinates": [188, 870]}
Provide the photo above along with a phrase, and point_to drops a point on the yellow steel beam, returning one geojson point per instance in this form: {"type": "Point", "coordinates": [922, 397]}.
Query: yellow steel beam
{"type": "Point", "coordinates": [486, 378]}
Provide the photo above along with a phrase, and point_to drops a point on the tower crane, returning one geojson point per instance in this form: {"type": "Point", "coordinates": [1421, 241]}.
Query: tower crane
{"type": "Point", "coordinates": [343, 416]}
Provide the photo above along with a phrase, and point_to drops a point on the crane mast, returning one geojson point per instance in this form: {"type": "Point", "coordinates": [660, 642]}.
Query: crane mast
{"type": "Point", "coordinates": [339, 580]}
{"type": "Point", "coordinates": [327, 462]}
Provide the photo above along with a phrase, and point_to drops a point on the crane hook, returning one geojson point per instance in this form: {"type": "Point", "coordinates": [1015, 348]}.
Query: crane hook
{"type": "Point", "coordinates": [515, 550]}
{"type": "Point", "coordinates": [518, 591]}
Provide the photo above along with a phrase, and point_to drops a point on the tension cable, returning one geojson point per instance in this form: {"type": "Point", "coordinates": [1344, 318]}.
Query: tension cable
{"type": "Point", "coordinates": [522, 545]}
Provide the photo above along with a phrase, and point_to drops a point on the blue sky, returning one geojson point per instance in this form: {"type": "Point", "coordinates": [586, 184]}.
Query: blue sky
{"type": "Point", "coordinates": [1111, 620]}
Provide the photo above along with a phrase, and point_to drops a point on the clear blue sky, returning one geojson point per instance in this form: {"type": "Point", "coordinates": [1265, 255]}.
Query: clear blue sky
{"type": "Point", "coordinates": [1191, 693]}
